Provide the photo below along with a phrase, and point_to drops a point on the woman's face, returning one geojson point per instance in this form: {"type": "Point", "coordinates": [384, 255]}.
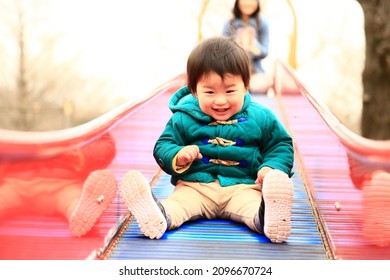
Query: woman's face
{"type": "Point", "coordinates": [248, 7]}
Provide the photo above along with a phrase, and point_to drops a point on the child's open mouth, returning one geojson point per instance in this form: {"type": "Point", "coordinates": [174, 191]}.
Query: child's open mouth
{"type": "Point", "coordinates": [221, 110]}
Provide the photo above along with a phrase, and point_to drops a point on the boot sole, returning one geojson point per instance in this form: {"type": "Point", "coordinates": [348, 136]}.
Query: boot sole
{"type": "Point", "coordinates": [99, 190]}
{"type": "Point", "coordinates": [136, 193]}
{"type": "Point", "coordinates": [278, 195]}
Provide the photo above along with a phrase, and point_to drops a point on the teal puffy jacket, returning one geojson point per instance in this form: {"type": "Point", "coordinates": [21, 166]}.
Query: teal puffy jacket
{"type": "Point", "coordinates": [233, 151]}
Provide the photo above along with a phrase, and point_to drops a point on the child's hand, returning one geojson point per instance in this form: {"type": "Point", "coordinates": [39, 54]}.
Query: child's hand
{"type": "Point", "coordinates": [261, 174]}
{"type": "Point", "coordinates": [187, 155]}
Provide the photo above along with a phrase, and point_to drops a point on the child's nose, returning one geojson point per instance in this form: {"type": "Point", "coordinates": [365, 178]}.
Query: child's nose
{"type": "Point", "coordinates": [220, 99]}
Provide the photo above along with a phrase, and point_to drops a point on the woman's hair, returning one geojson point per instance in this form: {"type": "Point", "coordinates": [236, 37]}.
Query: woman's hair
{"type": "Point", "coordinates": [237, 12]}
{"type": "Point", "coordinates": [221, 55]}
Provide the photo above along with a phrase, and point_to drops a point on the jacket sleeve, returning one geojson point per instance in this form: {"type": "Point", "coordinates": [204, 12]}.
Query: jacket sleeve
{"type": "Point", "coordinates": [278, 150]}
{"type": "Point", "coordinates": [170, 142]}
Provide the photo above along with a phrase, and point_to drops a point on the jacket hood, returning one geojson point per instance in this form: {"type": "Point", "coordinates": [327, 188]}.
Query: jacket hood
{"type": "Point", "coordinates": [184, 101]}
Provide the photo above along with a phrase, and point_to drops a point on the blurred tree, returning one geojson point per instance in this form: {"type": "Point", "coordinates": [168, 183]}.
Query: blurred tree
{"type": "Point", "coordinates": [376, 75]}
{"type": "Point", "coordinates": [37, 76]}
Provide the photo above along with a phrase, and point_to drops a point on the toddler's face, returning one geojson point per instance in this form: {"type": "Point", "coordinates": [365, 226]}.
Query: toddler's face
{"type": "Point", "coordinates": [220, 98]}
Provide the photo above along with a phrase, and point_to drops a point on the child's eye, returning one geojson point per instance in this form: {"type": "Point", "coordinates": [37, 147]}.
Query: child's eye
{"type": "Point", "coordinates": [230, 91]}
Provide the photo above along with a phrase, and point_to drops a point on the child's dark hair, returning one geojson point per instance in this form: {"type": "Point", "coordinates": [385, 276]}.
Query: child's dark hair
{"type": "Point", "coordinates": [221, 55]}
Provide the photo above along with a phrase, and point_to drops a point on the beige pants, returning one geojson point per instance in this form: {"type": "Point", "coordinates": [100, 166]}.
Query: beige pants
{"type": "Point", "coordinates": [193, 200]}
